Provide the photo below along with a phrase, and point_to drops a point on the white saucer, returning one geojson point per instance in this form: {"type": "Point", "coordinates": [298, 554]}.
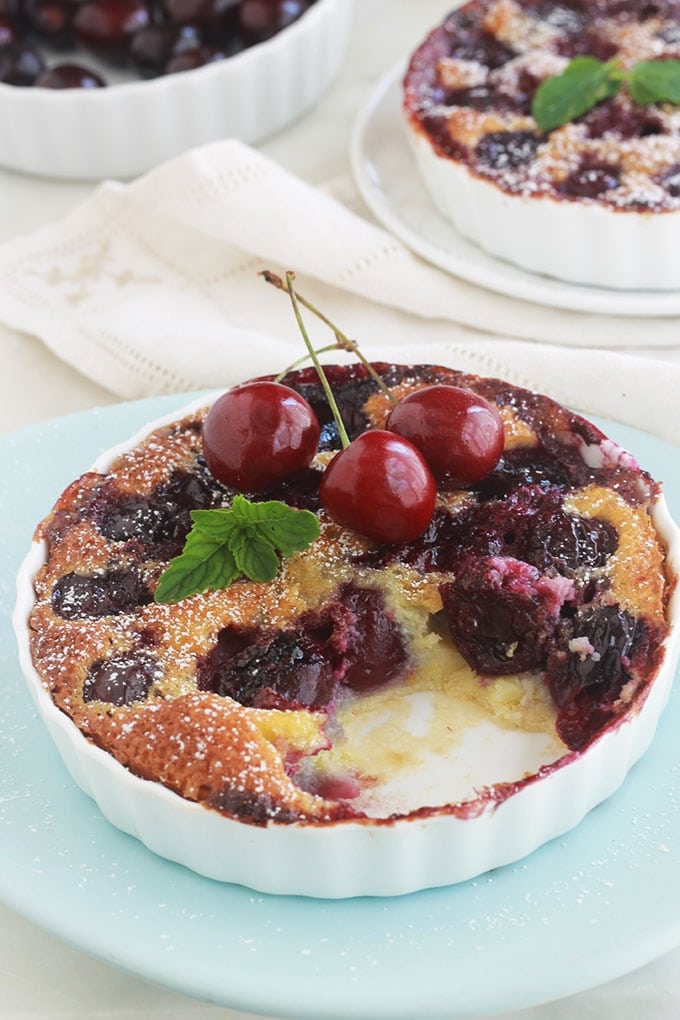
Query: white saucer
{"type": "Point", "coordinates": [389, 181]}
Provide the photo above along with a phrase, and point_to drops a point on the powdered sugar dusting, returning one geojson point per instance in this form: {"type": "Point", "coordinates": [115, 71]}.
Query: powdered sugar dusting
{"type": "Point", "coordinates": [198, 740]}
{"type": "Point", "coordinates": [620, 155]}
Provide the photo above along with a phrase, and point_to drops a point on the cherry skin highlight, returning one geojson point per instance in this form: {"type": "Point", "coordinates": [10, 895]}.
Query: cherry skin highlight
{"type": "Point", "coordinates": [381, 487]}
{"type": "Point", "coordinates": [257, 434]}
{"type": "Point", "coordinates": [459, 433]}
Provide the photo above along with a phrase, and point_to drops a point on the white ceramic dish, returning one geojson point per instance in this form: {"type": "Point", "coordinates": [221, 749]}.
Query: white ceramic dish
{"type": "Point", "coordinates": [390, 183]}
{"type": "Point", "coordinates": [360, 857]}
{"type": "Point", "coordinates": [585, 240]}
{"type": "Point", "coordinates": [581, 243]}
{"type": "Point", "coordinates": [133, 125]}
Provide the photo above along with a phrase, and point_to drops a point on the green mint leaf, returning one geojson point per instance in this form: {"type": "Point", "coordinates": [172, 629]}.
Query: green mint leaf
{"type": "Point", "coordinates": [655, 81]}
{"type": "Point", "coordinates": [205, 562]}
{"type": "Point", "coordinates": [242, 509]}
{"type": "Point", "coordinates": [243, 540]}
{"type": "Point", "coordinates": [287, 530]}
{"type": "Point", "coordinates": [255, 556]}
{"type": "Point", "coordinates": [584, 83]}
{"type": "Point", "coordinates": [293, 533]}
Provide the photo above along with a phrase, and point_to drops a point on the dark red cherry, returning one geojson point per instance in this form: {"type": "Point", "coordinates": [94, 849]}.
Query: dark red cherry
{"type": "Point", "coordinates": [20, 64]}
{"type": "Point", "coordinates": [107, 26]}
{"type": "Point", "coordinates": [261, 19]}
{"type": "Point", "coordinates": [190, 59]}
{"type": "Point", "coordinates": [11, 10]}
{"type": "Point", "coordinates": [381, 487]}
{"type": "Point", "coordinates": [459, 433]}
{"type": "Point", "coordinates": [503, 149]}
{"type": "Point", "coordinates": [122, 679]}
{"type": "Point", "coordinates": [153, 47]}
{"type": "Point", "coordinates": [201, 12]}
{"type": "Point", "coordinates": [257, 434]}
{"type": "Point", "coordinates": [90, 596]}
{"type": "Point", "coordinates": [671, 181]}
{"type": "Point", "coordinates": [590, 179]}
{"type": "Point", "coordinates": [8, 32]}
{"type": "Point", "coordinates": [69, 76]}
{"type": "Point", "coordinates": [50, 19]}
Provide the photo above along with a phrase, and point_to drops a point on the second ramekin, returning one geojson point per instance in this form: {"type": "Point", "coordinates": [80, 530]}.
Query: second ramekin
{"type": "Point", "coordinates": [128, 128]}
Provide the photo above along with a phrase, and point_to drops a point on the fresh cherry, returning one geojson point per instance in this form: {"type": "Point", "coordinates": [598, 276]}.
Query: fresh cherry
{"type": "Point", "coordinates": [261, 19]}
{"type": "Point", "coordinates": [190, 59]}
{"type": "Point", "coordinates": [154, 36]}
{"type": "Point", "coordinates": [69, 76]}
{"type": "Point", "coordinates": [381, 487]}
{"type": "Point", "coordinates": [200, 12]}
{"type": "Point", "coordinates": [10, 9]}
{"type": "Point", "coordinates": [153, 47]}
{"type": "Point", "coordinates": [459, 433]}
{"type": "Point", "coordinates": [20, 64]}
{"type": "Point", "coordinates": [50, 19]}
{"type": "Point", "coordinates": [107, 26]}
{"type": "Point", "coordinates": [257, 434]}
{"type": "Point", "coordinates": [8, 32]}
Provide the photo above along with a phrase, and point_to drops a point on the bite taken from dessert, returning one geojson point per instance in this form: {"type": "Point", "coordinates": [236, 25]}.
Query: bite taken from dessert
{"type": "Point", "coordinates": [548, 132]}
{"type": "Point", "coordinates": [357, 628]}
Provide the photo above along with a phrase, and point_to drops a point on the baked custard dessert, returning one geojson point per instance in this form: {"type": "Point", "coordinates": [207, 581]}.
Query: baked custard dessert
{"type": "Point", "coordinates": [369, 687]}
{"type": "Point", "coordinates": [583, 185]}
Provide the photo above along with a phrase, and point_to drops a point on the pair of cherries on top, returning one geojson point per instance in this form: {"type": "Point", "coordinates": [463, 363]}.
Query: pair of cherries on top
{"type": "Point", "coordinates": [382, 485]}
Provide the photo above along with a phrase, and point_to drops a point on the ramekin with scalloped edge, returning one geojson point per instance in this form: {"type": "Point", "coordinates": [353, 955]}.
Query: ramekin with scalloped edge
{"type": "Point", "coordinates": [534, 796]}
{"type": "Point", "coordinates": [618, 224]}
{"type": "Point", "coordinates": [129, 127]}
{"type": "Point", "coordinates": [585, 244]}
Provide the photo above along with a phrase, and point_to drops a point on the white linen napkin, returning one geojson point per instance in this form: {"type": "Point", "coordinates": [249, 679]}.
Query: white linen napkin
{"type": "Point", "coordinates": [153, 287]}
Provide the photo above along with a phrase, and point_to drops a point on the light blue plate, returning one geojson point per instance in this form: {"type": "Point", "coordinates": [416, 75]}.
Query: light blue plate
{"type": "Point", "coordinates": [581, 910]}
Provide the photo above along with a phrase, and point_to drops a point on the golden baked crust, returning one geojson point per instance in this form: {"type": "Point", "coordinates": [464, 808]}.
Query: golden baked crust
{"type": "Point", "coordinates": [565, 516]}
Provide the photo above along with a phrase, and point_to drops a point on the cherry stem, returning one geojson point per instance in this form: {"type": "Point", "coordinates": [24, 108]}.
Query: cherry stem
{"type": "Point", "coordinates": [323, 379]}
{"type": "Point", "coordinates": [342, 341]}
{"type": "Point", "coordinates": [301, 361]}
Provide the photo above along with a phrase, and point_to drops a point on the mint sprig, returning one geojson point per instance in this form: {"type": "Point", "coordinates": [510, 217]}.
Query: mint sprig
{"type": "Point", "coordinates": [244, 540]}
{"type": "Point", "coordinates": [655, 81]}
{"type": "Point", "coordinates": [587, 81]}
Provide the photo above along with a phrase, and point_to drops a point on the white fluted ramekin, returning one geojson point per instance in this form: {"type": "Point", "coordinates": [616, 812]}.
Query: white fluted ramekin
{"type": "Point", "coordinates": [128, 128]}
{"type": "Point", "coordinates": [366, 857]}
{"type": "Point", "coordinates": [577, 241]}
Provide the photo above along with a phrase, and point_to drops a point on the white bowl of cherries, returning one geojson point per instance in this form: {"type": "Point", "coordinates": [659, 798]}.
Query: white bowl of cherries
{"type": "Point", "coordinates": [111, 88]}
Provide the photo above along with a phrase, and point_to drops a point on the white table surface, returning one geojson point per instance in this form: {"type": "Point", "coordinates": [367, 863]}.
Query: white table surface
{"type": "Point", "coordinates": [40, 977]}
